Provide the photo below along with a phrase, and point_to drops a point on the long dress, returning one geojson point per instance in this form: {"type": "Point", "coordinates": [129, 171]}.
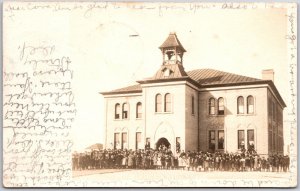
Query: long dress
{"type": "Point", "coordinates": [130, 160]}
{"type": "Point", "coordinates": [124, 161]}
{"type": "Point", "coordinates": [206, 163]}
{"type": "Point", "coordinates": [155, 161]}
{"type": "Point", "coordinates": [255, 162]}
{"type": "Point", "coordinates": [158, 162]}
{"type": "Point", "coordinates": [187, 162]}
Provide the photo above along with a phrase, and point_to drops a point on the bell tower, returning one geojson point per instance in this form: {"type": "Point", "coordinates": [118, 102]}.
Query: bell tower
{"type": "Point", "coordinates": [172, 50]}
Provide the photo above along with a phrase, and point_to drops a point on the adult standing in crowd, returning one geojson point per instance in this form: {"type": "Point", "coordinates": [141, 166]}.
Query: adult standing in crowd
{"type": "Point", "coordinates": [163, 158]}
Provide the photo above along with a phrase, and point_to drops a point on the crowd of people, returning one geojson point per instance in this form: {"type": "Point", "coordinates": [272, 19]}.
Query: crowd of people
{"type": "Point", "coordinates": [163, 158]}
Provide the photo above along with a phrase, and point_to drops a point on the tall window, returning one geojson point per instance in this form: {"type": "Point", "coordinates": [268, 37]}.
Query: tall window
{"type": "Point", "coordinates": [158, 103]}
{"type": "Point", "coordinates": [241, 139]}
{"type": "Point", "coordinates": [124, 141]}
{"type": "Point", "coordinates": [138, 140]}
{"type": "Point", "coordinates": [211, 106]}
{"type": "Point", "coordinates": [250, 104]}
{"type": "Point", "coordinates": [250, 139]}
{"type": "Point", "coordinates": [125, 109]}
{"type": "Point", "coordinates": [168, 102]}
{"type": "Point", "coordinates": [117, 141]}
{"type": "Point", "coordinates": [147, 140]}
{"type": "Point", "coordinates": [221, 139]}
{"type": "Point", "coordinates": [193, 105]}
{"type": "Point", "coordinates": [117, 111]}
{"type": "Point", "coordinates": [240, 105]}
{"type": "Point", "coordinates": [221, 106]}
{"type": "Point", "coordinates": [139, 110]}
{"type": "Point", "coordinates": [212, 140]}
{"type": "Point", "coordinates": [177, 144]}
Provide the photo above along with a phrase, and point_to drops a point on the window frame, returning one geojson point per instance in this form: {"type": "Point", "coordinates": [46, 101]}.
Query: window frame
{"type": "Point", "coordinates": [136, 140]}
{"type": "Point", "coordinates": [178, 144]}
{"type": "Point", "coordinates": [122, 139]}
{"type": "Point", "coordinates": [210, 139]}
{"type": "Point", "coordinates": [248, 104]}
{"type": "Point", "coordinates": [219, 111]}
{"type": "Point", "coordinates": [248, 137]}
{"type": "Point", "coordinates": [212, 107]}
{"type": "Point", "coordinates": [125, 111]}
{"type": "Point", "coordinates": [167, 102]}
{"type": "Point", "coordinates": [238, 143]}
{"type": "Point", "coordinates": [148, 140]}
{"type": "Point", "coordinates": [223, 139]}
{"type": "Point", "coordinates": [158, 103]}
{"type": "Point", "coordinates": [240, 104]}
{"type": "Point", "coordinates": [117, 111]}
{"type": "Point", "coordinates": [116, 137]}
{"type": "Point", "coordinates": [139, 113]}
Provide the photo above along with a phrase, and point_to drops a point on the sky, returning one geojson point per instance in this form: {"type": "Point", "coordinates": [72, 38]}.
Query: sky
{"type": "Point", "coordinates": [106, 56]}
{"type": "Point", "coordinates": [241, 42]}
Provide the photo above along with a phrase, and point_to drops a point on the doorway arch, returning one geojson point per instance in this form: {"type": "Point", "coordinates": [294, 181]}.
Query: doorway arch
{"type": "Point", "coordinates": [165, 130]}
{"type": "Point", "coordinates": [162, 142]}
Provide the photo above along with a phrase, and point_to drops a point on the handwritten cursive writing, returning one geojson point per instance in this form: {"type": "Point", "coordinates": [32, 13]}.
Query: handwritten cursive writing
{"type": "Point", "coordinates": [38, 112]}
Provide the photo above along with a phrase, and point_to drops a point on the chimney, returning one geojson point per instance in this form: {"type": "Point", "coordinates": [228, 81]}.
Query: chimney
{"type": "Point", "coordinates": [268, 74]}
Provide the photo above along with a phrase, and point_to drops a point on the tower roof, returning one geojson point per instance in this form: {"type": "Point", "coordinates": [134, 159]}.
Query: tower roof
{"type": "Point", "coordinates": [176, 71]}
{"type": "Point", "coordinates": [172, 41]}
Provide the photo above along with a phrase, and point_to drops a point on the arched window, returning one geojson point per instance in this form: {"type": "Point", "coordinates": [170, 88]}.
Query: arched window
{"type": "Point", "coordinates": [117, 111]}
{"type": "Point", "coordinates": [211, 106]}
{"type": "Point", "coordinates": [250, 104]}
{"type": "Point", "coordinates": [168, 102]}
{"type": "Point", "coordinates": [125, 110]}
{"type": "Point", "coordinates": [158, 103]}
{"type": "Point", "coordinates": [138, 140]}
{"type": "Point", "coordinates": [139, 110]}
{"type": "Point", "coordinates": [221, 106]}
{"type": "Point", "coordinates": [117, 143]}
{"type": "Point", "coordinates": [124, 141]}
{"type": "Point", "coordinates": [240, 105]}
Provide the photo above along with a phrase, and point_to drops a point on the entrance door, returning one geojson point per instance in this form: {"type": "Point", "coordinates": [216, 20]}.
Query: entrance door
{"type": "Point", "coordinates": [162, 143]}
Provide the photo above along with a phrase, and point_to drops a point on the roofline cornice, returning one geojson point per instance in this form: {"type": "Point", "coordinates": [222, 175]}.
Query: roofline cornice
{"type": "Point", "coordinates": [121, 92]}
{"type": "Point", "coordinates": [188, 79]}
{"type": "Point", "coordinates": [268, 82]}
{"type": "Point", "coordinates": [185, 78]}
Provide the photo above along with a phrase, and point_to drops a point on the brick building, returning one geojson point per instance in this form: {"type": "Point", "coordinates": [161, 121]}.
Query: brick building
{"type": "Point", "coordinates": [202, 109]}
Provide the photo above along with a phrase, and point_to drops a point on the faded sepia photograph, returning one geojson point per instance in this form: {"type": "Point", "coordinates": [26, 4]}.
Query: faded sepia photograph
{"type": "Point", "coordinates": [136, 94]}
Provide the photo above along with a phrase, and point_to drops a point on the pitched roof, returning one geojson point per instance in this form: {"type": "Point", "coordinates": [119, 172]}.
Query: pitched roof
{"type": "Point", "coordinates": [128, 89]}
{"type": "Point", "coordinates": [172, 41]}
{"type": "Point", "coordinates": [214, 77]}
{"type": "Point", "coordinates": [200, 77]}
